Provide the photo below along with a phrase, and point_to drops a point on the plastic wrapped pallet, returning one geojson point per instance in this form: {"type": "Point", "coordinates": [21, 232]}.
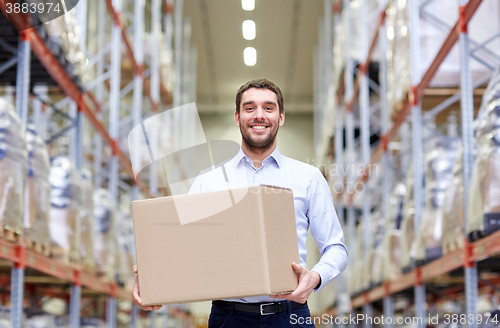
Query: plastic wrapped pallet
{"type": "Point", "coordinates": [375, 252]}
{"type": "Point", "coordinates": [484, 202]}
{"type": "Point", "coordinates": [65, 201]}
{"type": "Point", "coordinates": [439, 175]}
{"type": "Point", "coordinates": [37, 194]}
{"type": "Point", "coordinates": [105, 237]}
{"type": "Point", "coordinates": [87, 219]}
{"type": "Point", "coordinates": [483, 26]}
{"type": "Point", "coordinates": [407, 230]}
{"type": "Point", "coordinates": [355, 284]}
{"type": "Point", "coordinates": [13, 169]}
{"type": "Point", "coordinates": [453, 210]}
{"type": "Point", "coordinates": [391, 248]}
{"type": "Point", "coordinates": [64, 33]}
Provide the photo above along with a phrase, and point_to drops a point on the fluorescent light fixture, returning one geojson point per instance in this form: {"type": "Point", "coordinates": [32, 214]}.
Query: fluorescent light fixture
{"type": "Point", "coordinates": [248, 5]}
{"type": "Point", "coordinates": [248, 28]}
{"type": "Point", "coordinates": [250, 56]}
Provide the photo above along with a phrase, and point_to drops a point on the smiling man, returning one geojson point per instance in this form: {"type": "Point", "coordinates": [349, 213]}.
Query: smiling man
{"type": "Point", "coordinates": [259, 114]}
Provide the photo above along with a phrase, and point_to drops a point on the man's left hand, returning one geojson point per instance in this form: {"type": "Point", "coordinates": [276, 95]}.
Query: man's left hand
{"type": "Point", "coordinates": [308, 280]}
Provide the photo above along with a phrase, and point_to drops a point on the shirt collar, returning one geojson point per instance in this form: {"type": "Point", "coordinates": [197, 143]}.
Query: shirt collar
{"type": "Point", "coordinates": [275, 155]}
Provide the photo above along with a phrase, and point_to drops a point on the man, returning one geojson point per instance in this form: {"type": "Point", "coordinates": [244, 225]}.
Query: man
{"type": "Point", "coordinates": [259, 114]}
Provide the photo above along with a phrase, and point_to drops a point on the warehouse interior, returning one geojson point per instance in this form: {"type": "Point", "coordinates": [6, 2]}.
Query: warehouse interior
{"type": "Point", "coordinates": [396, 102]}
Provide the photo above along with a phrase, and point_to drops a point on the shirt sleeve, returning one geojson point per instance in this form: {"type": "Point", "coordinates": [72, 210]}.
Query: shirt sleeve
{"type": "Point", "coordinates": [326, 230]}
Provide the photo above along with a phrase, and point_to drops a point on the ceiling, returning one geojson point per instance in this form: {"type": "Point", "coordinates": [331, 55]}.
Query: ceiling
{"type": "Point", "coordinates": [286, 34]}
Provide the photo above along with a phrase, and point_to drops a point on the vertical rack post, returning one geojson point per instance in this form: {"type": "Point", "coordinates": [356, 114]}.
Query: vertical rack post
{"type": "Point", "coordinates": [99, 93]}
{"type": "Point", "coordinates": [76, 288]}
{"type": "Point", "coordinates": [413, 9]}
{"type": "Point", "coordinates": [388, 303]}
{"type": "Point", "coordinates": [155, 90]}
{"type": "Point", "coordinates": [339, 179]}
{"type": "Point", "coordinates": [74, 305]}
{"type": "Point", "coordinates": [114, 100]}
{"type": "Point", "coordinates": [134, 317]}
{"type": "Point", "coordinates": [22, 92]}
{"type": "Point", "coordinates": [17, 289]}
{"type": "Point", "coordinates": [23, 77]}
{"type": "Point", "coordinates": [111, 312]}
{"type": "Point", "coordinates": [327, 57]}
{"type": "Point", "coordinates": [177, 94]}
{"type": "Point", "coordinates": [467, 110]}
{"type": "Point", "coordinates": [364, 107]}
{"type": "Point", "coordinates": [349, 117]}
{"type": "Point", "coordinates": [139, 6]}
{"type": "Point", "coordinates": [114, 116]}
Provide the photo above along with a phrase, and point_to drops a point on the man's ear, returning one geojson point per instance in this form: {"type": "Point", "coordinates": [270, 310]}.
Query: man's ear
{"type": "Point", "coordinates": [282, 118]}
{"type": "Point", "coordinates": [237, 118]}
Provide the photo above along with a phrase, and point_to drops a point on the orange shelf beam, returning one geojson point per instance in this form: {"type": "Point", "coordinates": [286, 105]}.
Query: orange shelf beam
{"type": "Point", "coordinates": [56, 268]}
{"type": "Point", "coordinates": [481, 249]}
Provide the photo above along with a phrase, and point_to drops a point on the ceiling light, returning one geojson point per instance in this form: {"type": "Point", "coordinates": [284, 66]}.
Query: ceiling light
{"type": "Point", "coordinates": [248, 27]}
{"type": "Point", "coordinates": [250, 56]}
{"type": "Point", "coordinates": [248, 4]}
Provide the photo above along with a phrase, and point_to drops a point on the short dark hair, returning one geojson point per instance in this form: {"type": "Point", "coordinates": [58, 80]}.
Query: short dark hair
{"type": "Point", "coordinates": [260, 84]}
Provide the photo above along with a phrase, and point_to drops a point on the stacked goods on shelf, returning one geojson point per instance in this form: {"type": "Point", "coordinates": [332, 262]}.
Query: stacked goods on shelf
{"type": "Point", "coordinates": [125, 242]}
{"type": "Point", "coordinates": [65, 200]}
{"type": "Point", "coordinates": [37, 194]}
{"type": "Point", "coordinates": [13, 169]}
{"type": "Point", "coordinates": [432, 34]}
{"type": "Point", "coordinates": [105, 236]}
{"type": "Point", "coordinates": [391, 248]}
{"type": "Point", "coordinates": [407, 231]}
{"type": "Point", "coordinates": [355, 284]}
{"type": "Point", "coordinates": [87, 222]}
{"type": "Point", "coordinates": [484, 202]}
{"type": "Point", "coordinates": [397, 53]}
{"type": "Point", "coordinates": [375, 252]}
{"type": "Point", "coordinates": [62, 36]}
{"type": "Point", "coordinates": [356, 169]}
{"type": "Point", "coordinates": [439, 165]}
{"type": "Point", "coordinates": [453, 210]}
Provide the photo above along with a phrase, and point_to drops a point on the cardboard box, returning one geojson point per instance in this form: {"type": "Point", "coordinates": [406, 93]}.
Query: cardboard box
{"type": "Point", "coordinates": [242, 243]}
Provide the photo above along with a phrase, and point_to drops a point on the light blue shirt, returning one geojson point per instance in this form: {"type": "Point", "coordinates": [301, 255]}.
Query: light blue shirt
{"type": "Point", "coordinates": [312, 200]}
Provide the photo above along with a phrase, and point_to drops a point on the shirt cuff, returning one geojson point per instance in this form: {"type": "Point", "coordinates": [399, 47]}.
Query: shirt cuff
{"type": "Point", "coordinates": [325, 272]}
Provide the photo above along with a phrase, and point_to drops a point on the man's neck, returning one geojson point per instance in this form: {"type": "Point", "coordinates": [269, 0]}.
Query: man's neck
{"type": "Point", "coordinates": [257, 155]}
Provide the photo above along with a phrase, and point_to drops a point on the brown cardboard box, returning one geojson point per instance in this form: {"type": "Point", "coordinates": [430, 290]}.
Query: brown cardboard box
{"type": "Point", "coordinates": [244, 250]}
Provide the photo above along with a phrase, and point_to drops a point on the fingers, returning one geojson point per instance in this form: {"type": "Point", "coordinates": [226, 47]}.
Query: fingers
{"type": "Point", "coordinates": [298, 268]}
{"type": "Point", "coordinates": [135, 292]}
{"type": "Point", "coordinates": [135, 268]}
{"type": "Point", "coordinates": [151, 307]}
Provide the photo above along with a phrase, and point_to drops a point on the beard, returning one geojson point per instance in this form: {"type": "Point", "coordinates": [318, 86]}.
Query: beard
{"type": "Point", "coordinates": [259, 146]}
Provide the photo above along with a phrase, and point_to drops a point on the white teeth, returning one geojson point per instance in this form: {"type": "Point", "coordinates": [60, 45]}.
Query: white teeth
{"type": "Point", "coordinates": [258, 127]}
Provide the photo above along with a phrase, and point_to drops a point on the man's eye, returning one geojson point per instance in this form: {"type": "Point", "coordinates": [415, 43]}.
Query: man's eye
{"type": "Point", "coordinates": [249, 108]}
{"type": "Point", "coordinates": [269, 108]}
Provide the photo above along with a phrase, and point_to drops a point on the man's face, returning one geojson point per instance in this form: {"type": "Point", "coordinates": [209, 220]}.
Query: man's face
{"type": "Point", "coordinates": [259, 118]}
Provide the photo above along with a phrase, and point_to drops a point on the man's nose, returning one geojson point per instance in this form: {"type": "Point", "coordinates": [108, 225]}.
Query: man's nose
{"type": "Point", "coordinates": [259, 113]}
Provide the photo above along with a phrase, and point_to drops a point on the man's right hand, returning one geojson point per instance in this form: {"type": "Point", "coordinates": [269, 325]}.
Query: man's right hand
{"type": "Point", "coordinates": [137, 296]}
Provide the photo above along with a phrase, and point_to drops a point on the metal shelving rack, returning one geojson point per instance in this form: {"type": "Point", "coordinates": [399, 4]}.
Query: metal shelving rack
{"type": "Point", "coordinates": [410, 110]}
{"type": "Point", "coordinates": [91, 103]}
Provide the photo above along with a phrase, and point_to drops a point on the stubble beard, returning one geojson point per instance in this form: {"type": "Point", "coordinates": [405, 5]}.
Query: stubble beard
{"type": "Point", "coordinates": [259, 147]}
